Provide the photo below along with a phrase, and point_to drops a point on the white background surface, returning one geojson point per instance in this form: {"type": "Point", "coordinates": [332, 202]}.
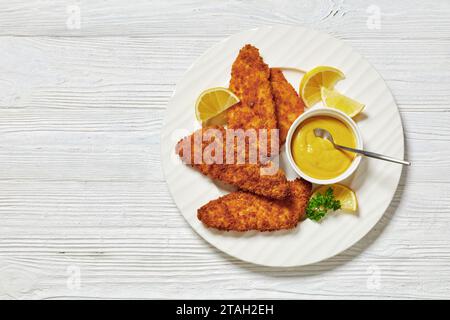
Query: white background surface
{"type": "Point", "coordinates": [82, 195]}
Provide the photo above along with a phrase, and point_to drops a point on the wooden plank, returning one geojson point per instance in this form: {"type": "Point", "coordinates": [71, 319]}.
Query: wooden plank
{"type": "Point", "coordinates": [142, 73]}
{"type": "Point", "coordinates": [121, 234]}
{"type": "Point", "coordinates": [176, 19]}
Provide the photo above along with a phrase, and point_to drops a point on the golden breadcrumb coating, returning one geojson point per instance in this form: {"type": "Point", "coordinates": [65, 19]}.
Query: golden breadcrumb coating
{"type": "Point", "coordinates": [250, 82]}
{"type": "Point", "coordinates": [246, 176]}
{"type": "Point", "coordinates": [264, 202]}
{"type": "Point", "coordinates": [288, 103]}
{"type": "Point", "coordinates": [243, 211]}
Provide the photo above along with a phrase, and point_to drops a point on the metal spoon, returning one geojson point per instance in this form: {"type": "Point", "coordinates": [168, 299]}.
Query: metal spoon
{"type": "Point", "coordinates": [322, 133]}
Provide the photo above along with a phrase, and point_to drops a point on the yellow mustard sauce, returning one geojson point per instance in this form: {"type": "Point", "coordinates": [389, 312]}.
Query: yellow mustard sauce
{"type": "Point", "coordinates": [316, 156]}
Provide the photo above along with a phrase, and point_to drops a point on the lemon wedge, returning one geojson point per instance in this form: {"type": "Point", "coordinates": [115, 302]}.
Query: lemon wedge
{"type": "Point", "coordinates": [214, 101]}
{"type": "Point", "coordinates": [344, 194]}
{"type": "Point", "coordinates": [336, 100]}
{"type": "Point", "coordinates": [218, 120]}
{"type": "Point", "coordinates": [315, 79]}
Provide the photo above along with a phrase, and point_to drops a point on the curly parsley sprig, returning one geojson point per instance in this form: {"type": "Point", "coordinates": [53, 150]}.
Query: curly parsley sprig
{"type": "Point", "coordinates": [320, 204]}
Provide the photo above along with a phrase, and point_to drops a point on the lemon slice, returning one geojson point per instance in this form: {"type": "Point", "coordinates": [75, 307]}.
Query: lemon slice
{"type": "Point", "coordinates": [336, 100]}
{"type": "Point", "coordinates": [219, 120]}
{"type": "Point", "coordinates": [345, 195]}
{"type": "Point", "coordinates": [315, 79]}
{"type": "Point", "coordinates": [214, 101]}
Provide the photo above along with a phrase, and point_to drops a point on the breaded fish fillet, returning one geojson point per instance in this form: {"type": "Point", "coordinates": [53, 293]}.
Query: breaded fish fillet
{"type": "Point", "coordinates": [206, 150]}
{"type": "Point", "coordinates": [250, 82]}
{"type": "Point", "coordinates": [288, 103]}
{"type": "Point", "coordinates": [243, 211]}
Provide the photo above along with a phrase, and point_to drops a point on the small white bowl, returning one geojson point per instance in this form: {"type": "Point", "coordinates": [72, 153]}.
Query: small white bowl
{"type": "Point", "coordinates": [335, 114]}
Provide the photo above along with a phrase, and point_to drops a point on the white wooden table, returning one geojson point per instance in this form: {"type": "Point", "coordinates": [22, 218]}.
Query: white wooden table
{"type": "Point", "coordinates": [84, 208]}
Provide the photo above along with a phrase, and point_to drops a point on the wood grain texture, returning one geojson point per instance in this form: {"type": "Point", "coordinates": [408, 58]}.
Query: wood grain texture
{"type": "Point", "coordinates": [81, 185]}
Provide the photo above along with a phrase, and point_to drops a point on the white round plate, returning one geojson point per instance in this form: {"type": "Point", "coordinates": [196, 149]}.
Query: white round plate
{"type": "Point", "coordinates": [374, 182]}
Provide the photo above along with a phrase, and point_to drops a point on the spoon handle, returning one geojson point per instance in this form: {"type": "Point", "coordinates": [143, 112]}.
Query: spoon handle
{"type": "Point", "coordinates": [375, 155]}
